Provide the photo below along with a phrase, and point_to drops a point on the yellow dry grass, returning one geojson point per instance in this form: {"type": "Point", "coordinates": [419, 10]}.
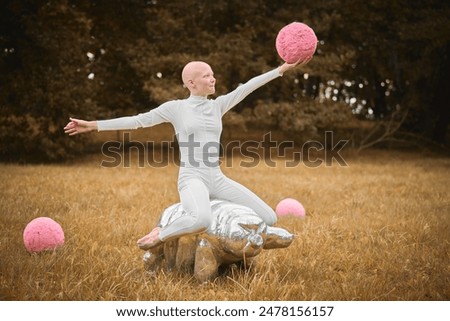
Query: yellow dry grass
{"type": "Point", "coordinates": [378, 229]}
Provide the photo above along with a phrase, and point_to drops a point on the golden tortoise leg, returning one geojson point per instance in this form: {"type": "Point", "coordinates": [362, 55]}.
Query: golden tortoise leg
{"type": "Point", "coordinates": [206, 264]}
{"type": "Point", "coordinates": [170, 253]}
{"type": "Point", "coordinates": [186, 253]}
{"type": "Point", "coordinates": [153, 258]}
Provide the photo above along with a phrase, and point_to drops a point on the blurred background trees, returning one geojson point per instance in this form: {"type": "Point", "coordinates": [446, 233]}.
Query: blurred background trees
{"type": "Point", "coordinates": [380, 73]}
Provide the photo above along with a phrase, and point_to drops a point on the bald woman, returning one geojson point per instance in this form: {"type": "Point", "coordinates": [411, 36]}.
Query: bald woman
{"type": "Point", "coordinates": [197, 121]}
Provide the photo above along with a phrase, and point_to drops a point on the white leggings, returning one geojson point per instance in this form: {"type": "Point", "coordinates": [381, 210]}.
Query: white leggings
{"type": "Point", "coordinates": [196, 186]}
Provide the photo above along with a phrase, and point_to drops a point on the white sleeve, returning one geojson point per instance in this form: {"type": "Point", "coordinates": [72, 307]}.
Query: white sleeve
{"type": "Point", "coordinates": [162, 114]}
{"type": "Point", "coordinates": [228, 101]}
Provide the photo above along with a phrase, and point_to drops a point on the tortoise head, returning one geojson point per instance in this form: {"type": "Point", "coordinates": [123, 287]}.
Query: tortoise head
{"type": "Point", "coordinates": [277, 237]}
{"type": "Point", "coordinates": [246, 237]}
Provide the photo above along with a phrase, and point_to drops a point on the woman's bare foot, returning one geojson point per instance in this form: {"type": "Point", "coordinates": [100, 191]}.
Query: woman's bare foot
{"type": "Point", "coordinates": [150, 240]}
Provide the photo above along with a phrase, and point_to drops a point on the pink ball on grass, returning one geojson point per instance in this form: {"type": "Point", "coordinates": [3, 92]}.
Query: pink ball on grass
{"type": "Point", "coordinates": [42, 234]}
{"type": "Point", "coordinates": [290, 206]}
{"type": "Point", "coordinates": [296, 41]}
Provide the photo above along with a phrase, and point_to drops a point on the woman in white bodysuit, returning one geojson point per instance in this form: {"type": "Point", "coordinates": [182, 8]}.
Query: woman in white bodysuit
{"type": "Point", "coordinates": [197, 121]}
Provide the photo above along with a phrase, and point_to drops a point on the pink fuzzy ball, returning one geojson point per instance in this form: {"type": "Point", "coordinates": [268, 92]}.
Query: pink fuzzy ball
{"type": "Point", "coordinates": [295, 42]}
{"type": "Point", "coordinates": [290, 206]}
{"type": "Point", "coordinates": [41, 234]}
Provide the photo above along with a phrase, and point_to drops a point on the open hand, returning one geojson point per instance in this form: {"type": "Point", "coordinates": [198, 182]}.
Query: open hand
{"type": "Point", "coordinates": [78, 126]}
{"type": "Point", "coordinates": [286, 66]}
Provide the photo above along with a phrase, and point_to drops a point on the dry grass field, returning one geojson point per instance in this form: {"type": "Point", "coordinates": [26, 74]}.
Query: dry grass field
{"type": "Point", "coordinates": [377, 229]}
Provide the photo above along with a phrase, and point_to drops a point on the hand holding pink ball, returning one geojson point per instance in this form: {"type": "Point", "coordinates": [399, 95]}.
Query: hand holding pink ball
{"type": "Point", "coordinates": [290, 206]}
{"type": "Point", "coordinates": [296, 42]}
{"type": "Point", "coordinates": [41, 234]}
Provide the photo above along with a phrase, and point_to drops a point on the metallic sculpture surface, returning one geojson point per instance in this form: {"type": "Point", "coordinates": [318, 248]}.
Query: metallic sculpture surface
{"type": "Point", "coordinates": [236, 235]}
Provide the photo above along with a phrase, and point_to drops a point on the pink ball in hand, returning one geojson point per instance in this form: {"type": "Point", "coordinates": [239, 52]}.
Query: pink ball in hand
{"type": "Point", "coordinates": [41, 234]}
{"type": "Point", "coordinates": [290, 206]}
{"type": "Point", "coordinates": [296, 42]}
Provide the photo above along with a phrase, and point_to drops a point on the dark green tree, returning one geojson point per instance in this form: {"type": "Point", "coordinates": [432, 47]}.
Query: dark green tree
{"type": "Point", "coordinates": [45, 78]}
{"type": "Point", "coordinates": [400, 56]}
{"type": "Point", "coordinates": [99, 59]}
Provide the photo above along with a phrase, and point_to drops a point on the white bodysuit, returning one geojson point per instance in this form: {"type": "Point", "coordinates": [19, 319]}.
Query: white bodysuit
{"type": "Point", "coordinates": [198, 125]}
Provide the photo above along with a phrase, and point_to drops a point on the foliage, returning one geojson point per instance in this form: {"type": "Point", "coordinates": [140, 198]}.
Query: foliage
{"type": "Point", "coordinates": [304, 120]}
{"type": "Point", "coordinates": [101, 59]}
{"type": "Point", "coordinates": [402, 58]}
{"type": "Point", "coordinates": [45, 80]}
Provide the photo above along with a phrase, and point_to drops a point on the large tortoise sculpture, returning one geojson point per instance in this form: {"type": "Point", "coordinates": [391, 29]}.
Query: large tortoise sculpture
{"type": "Point", "coordinates": [236, 235]}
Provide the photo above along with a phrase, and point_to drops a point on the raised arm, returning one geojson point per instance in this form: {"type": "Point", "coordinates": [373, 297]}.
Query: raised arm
{"type": "Point", "coordinates": [231, 99]}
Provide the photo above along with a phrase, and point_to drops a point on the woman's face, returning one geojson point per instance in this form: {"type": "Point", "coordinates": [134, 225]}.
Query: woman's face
{"type": "Point", "coordinates": [199, 78]}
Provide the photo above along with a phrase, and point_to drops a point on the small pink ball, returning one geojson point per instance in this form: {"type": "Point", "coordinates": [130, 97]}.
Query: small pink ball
{"type": "Point", "coordinates": [41, 234]}
{"type": "Point", "coordinates": [290, 206]}
{"type": "Point", "coordinates": [296, 41]}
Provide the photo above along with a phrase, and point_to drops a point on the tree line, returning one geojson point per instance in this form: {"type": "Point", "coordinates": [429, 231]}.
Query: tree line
{"type": "Point", "coordinates": [384, 62]}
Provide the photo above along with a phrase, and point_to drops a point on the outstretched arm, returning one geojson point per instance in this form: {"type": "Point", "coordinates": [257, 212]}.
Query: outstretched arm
{"type": "Point", "coordinates": [78, 126]}
{"type": "Point", "coordinates": [231, 99]}
{"type": "Point", "coordinates": [163, 113]}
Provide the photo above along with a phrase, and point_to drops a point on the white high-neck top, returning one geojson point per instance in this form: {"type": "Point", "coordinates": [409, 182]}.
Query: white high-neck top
{"type": "Point", "coordinates": [197, 121]}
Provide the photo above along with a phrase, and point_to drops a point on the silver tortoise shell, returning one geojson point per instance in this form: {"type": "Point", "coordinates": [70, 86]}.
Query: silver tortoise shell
{"type": "Point", "coordinates": [236, 234]}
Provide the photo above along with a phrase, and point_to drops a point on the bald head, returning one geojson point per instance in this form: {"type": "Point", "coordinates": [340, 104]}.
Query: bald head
{"type": "Point", "coordinates": [193, 69]}
{"type": "Point", "coordinates": [194, 76]}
